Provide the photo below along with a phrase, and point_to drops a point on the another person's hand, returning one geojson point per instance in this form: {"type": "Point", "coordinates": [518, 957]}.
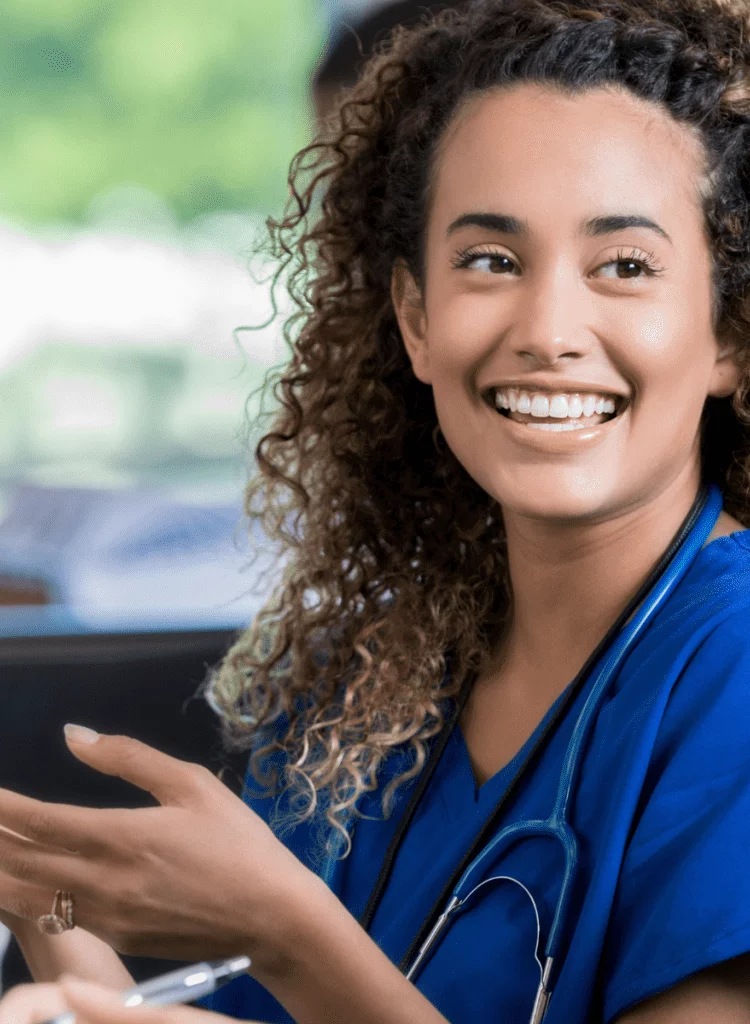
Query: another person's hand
{"type": "Point", "coordinates": [32, 1004]}
{"type": "Point", "coordinates": [93, 1004]}
{"type": "Point", "coordinates": [199, 877]}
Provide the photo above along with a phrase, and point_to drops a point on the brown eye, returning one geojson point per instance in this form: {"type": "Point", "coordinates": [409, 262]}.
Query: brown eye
{"type": "Point", "coordinates": [495, 262]}
{"type": "Point", "coordinates": [628, 268]}
{"type": "Point", "coordinates": [629, 265]}
{"type": "Point", "coordinates": [500, 264]}
{"type": "Point", "coordinates": [624, 270]}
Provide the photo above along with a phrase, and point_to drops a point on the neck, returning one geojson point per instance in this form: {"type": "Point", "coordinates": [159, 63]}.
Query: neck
{"type": "Point", "coordinates": [570, 583]}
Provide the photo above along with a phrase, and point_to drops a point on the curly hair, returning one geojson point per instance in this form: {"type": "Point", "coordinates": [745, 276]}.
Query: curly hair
{"type": "Point", "coordinates": [396, 584]}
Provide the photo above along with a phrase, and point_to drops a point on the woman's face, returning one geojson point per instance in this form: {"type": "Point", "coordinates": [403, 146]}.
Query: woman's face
{"type": "Point", "coordinates": [566, 259]}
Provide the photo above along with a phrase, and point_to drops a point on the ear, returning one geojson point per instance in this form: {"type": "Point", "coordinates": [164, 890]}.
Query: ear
{"type": "Point", "coordinates": [726, 374]}
{"type": "Point", "coordinates": [408, 306]}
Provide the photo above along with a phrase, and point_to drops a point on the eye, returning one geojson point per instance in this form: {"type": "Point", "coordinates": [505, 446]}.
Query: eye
{"type": "Point", "coordinates": [631, 266]}
{"type": "Point", "coordinates": [626, 268]}
{"type": "Point", "coordinates": [495, 262]}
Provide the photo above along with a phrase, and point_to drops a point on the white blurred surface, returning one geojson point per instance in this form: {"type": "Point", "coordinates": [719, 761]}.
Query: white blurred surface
{"type": "Point", "coordinates": [127, 386]}
{"type": "Point", "coordinates": [136, 277]}
{"type": "Point", "coordinates": [121, 557]}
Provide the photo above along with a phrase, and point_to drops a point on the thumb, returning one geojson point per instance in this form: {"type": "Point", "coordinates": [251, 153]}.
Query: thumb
{"type": "Point", "coordinates": [83, 988]}
{"type": "Point", "coordinates": [93, 1002]}
{"type": "Point", "coordinates": [168, 779]}
{"type": "Point", "coordinates": [98, 1005]}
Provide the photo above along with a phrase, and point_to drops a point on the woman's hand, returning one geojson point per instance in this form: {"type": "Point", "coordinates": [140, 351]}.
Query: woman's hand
{"type": "Point", "coordinates": [92, 1004]}
{"type": "Point", "coordinates": [11, 921]}
{"type": "Point", "coordinates": [199, 877]}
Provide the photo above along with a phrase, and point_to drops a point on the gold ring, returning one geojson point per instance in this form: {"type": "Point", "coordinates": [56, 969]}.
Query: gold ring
{"type": "Point", "coordinates": [54, 923]}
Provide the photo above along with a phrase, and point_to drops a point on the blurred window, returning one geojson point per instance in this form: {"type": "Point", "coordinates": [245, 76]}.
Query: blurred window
{"type": "Point", "coordinates": [146, 144]}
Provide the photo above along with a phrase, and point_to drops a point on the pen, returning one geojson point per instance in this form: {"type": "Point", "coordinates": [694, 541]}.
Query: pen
{"type": "Point", "coordinates": [182, 986]}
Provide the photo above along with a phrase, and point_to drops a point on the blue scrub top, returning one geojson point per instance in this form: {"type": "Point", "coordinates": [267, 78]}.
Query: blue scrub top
{"type": "Point", "coordinates": [661, 809]}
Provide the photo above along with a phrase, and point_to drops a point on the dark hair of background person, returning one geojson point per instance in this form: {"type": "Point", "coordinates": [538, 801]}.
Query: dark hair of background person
{"type": "Point", "coordinates": [350, 47]}
{"type": "Point", "coordinates": [396, 558]}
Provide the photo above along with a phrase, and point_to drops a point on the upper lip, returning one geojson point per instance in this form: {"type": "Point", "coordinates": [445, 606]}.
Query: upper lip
{"type": "Point", "coordinates": [558, 387]}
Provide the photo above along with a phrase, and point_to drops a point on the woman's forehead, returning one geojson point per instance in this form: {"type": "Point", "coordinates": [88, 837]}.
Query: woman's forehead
{"type": "Point", "coordinates": [542, 149]}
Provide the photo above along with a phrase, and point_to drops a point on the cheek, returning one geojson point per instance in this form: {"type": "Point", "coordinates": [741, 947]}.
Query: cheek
{"type": "Point", "coordinates": [655, 344]}
{"type": "Point", "coordinates": [663, 346]}
{"type": "Point", "coordinates": [464, 333]}
{"type": "Point", "coordinates": [655, 333]}
{"type": "Point", "coordinates": [668, 359]}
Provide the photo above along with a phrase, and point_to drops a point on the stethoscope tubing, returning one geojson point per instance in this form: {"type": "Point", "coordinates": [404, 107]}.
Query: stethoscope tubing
{"type": "Point", "coordinates": [704, 515]}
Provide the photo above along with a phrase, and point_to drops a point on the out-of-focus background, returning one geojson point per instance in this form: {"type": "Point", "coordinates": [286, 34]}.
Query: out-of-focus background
{"type": "Point", "coordinates": [143, 144]}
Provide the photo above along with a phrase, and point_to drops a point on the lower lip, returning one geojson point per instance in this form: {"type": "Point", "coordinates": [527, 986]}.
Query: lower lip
{"type": "Point", "coordinates": [558, 441]}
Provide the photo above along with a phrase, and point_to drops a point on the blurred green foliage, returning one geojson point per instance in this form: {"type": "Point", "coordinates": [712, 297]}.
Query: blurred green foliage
{"type": "Point", "coordinates": [203, 103]}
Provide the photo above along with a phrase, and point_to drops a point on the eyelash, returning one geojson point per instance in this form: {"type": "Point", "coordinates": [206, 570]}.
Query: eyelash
{"type": "Point", "coordinates": [641, 257]}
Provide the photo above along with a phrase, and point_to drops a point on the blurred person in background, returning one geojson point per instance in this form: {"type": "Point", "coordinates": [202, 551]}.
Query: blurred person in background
{"type": "Point", "coordinates": [352, 44]}
{"type": "Point", "coordinates": [525, 204]}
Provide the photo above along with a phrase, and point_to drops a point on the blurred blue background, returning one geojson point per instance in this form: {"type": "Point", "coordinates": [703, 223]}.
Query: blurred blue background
{"type": "Point", "coordinates": [143, 143]}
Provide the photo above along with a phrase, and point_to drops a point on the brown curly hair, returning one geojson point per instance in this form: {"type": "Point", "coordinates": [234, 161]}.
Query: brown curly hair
{"type": "Point", "coordinates": [386, 602]}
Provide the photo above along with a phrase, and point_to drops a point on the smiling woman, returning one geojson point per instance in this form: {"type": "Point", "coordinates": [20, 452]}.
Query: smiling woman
{"type": "Point", "coordinates": [542, 212]}
{"type": "Point", "coordinates": [596, 281]}
{"type": "Point", "coordinates": [511, 472]}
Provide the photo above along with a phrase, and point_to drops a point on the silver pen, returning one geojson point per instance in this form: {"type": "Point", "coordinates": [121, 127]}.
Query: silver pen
{"type": "Point", "coordinates": [182, 986]}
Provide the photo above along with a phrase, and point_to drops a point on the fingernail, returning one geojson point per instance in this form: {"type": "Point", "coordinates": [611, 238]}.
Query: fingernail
{"type": "Point", "coordinates": [80, 733]}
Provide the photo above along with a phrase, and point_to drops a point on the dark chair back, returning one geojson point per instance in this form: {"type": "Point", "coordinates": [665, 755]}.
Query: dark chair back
{"type": "Point", "coordinates": [140, 685]}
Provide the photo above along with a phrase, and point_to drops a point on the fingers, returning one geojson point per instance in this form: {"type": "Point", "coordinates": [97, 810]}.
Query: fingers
{"type": "Point", "coordinates": [94, 1004]}
{"type": "Point", "coordinates": [32, 1004]}
{"type": "Point", "coordinates": [22, 900]}
{"type": "Point", "coordinates": [83, 829]}
{"type": "Point", "coordinates": [168, 779]}
{"type": "Point", "coordinates": [36, 864]}
{"type": "Point", "coordinates": [63, 826]}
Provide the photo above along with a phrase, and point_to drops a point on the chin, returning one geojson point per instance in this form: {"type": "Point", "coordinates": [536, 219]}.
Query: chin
{"type": "Point", "coordinates": [560, 500]}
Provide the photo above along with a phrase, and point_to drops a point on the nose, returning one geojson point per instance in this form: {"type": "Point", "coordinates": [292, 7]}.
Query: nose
{"type": "Point", "coordinates": [550, 321]}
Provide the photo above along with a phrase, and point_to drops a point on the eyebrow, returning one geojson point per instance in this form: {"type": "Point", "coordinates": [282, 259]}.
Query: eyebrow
{"type": "Point", "coordinates": [619, 222]}
{"type": "Point", "coordinates": [596, 226]}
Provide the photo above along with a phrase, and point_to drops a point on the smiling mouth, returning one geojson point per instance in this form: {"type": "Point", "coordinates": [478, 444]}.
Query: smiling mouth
{"type": "Point", "coordinates": [556, 423]}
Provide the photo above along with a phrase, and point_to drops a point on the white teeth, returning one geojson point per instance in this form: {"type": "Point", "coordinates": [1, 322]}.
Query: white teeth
{"type": "Point", "coordinates": [575, 407]}
{"type": "Point", "coordinates": [569, 425]}
{"type": "Point", "coordinates": [540, 406]}
{"type": "Point", "coordinates": [559, 406]}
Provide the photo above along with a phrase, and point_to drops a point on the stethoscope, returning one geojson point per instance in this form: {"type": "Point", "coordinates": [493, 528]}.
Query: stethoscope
{"type": "Point", "coordinates": [673, 565]}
